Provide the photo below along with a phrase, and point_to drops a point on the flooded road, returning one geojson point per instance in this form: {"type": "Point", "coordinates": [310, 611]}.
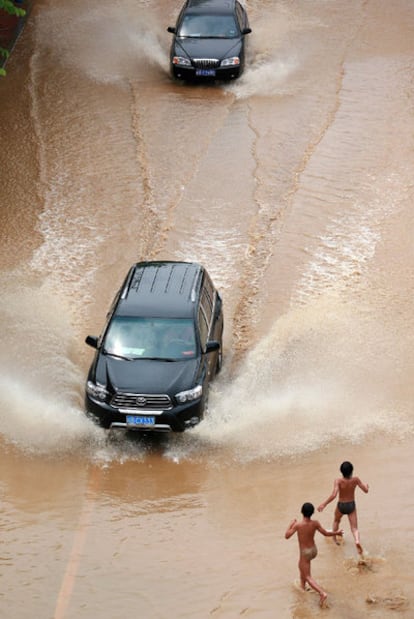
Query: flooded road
{"type": "Point", "coordinates": [294, 187]}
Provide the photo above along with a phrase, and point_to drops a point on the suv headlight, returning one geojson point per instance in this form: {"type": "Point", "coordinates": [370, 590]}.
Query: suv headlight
{"type": "Point", "coordinates": [235, 60]}
{"type": "Point", "coordinates": [96, 390]}
{"type": "Point", "coordinates": [181, 61]}
{"type": "Point", "coordinates": [190, 395]}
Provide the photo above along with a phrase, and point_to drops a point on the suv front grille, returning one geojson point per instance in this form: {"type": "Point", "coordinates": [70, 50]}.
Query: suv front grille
{"type": "Point", "coordinates": [141, 401]}
{"type": "Point", "coordinates": [206, 63]}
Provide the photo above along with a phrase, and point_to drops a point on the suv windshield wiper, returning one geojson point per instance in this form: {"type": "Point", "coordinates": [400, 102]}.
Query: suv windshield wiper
{"type": "Point", "coordinates": [112, 354]}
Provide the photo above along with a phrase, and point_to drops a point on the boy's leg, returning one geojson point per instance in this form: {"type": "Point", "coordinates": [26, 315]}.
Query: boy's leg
{"type": "Point", "coordinates": [302, 572]}
{"type": "Point", "coordinates": [353, 522]}
{"type": "Point", "coordinates": [335, 526]}
{"type": "Point", "coordinates": [305, 577]}
{"type": "Point", "coordinates": [322, 594]}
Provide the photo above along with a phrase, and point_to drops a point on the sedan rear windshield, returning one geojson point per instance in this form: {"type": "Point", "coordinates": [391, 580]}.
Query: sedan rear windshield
{"type": "Point", "coordinates": [160, 338]}
{"type": "Point", "coordinates": [208, 26]}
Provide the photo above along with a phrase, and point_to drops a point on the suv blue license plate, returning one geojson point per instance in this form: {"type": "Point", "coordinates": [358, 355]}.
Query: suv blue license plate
{"type": "Point", "coordinates": [138, 421]}
{"type": "Point", "coordinates": [206, 72]}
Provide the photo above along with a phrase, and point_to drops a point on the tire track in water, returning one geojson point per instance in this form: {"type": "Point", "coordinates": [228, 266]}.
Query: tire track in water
{"type": "Point", "coordinates": [268, 224]}
{"type": "Point", "coordinates": [151, 223]}
{"type": "Point", "coordinates": [157, 227]}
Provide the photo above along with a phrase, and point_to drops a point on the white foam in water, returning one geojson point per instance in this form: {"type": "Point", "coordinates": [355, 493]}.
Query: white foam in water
{"type": "Point", "coordinates": [58, 255]}
{"type": "Point", "coordinates": [350, 241]}
{"type": "Point", "coordinates": [218, 251]}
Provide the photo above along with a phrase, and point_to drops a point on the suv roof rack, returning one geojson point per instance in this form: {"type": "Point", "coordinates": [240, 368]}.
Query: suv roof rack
{"type": "Point", "coordinates": [147, 282]}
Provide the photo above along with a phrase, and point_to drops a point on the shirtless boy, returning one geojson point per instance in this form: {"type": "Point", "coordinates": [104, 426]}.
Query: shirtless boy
{"type": "Point", "coordinates": [345, 487]}
{"type": "Point", "coordinates": [307, 549]}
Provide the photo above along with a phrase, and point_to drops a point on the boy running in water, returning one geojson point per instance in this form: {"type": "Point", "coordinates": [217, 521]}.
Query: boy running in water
{"type": "Point", "coordinates": [345, 487]}
{"type": "Point", "coordinates": [306, 530]}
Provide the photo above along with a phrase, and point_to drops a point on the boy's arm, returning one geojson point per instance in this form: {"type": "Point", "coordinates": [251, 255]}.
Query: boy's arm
{"type": "Point", "coordinates": [330, 497]}
{"type": "Point", "coordinates": [291, 529]}
{"type": "Point", "coordinates": [322, 530]}
{"type": "Point", "coordinates": [364, 487]}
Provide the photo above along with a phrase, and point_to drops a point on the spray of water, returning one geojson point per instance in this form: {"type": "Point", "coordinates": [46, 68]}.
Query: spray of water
{"type": "Point", "coordinates": [265, 77]}
{"type": "Point", "coordinates": [40, 383]}
{"type": "Point", "coordinates": [274, 61]}
{"type": "Point", "coordinates": [105, 43]}
{"type": "Point", "coordinates": [308, 384]}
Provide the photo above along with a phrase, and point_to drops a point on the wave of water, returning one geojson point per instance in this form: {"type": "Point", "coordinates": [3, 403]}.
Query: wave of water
{"type": "Point", "coordinates": [306, 385]}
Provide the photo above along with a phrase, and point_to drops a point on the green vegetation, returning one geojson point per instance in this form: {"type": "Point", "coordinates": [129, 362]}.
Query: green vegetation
{"type": "Point", "coordinates": [4, 53]}
{"type": "Point", "coordinates": [9, 7]}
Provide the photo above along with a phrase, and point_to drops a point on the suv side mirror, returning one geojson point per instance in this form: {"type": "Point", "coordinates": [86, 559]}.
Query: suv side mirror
{"type": "Point", "coordinates": [246, 30]}
{"type": "Point", "coordinates": [212, 345]}
{"type": "Point", "coordinates": [92, 340]}
{"type": "Point", "coordinates": [171, 29]}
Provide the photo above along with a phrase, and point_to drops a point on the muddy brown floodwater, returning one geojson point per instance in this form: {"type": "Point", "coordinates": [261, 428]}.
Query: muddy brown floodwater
{"type": "Point", "coordinates": [294, 187]}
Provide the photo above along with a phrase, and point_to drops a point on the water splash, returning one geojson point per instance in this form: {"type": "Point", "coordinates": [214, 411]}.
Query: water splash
{"type": "Point", "coordinates": [308, 384]}
{"type": "Point", "coordinates": [266, 77]}
{"type": "Point", "coordinates": [38, 422]}
{"type": "Point", "coordinates": [107, 44]}
{"type": "Point", "coordinates": [40, 383]}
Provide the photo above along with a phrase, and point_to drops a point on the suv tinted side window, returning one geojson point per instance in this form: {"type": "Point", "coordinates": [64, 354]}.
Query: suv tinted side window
{"type": "Point", "coordinates": [203, 327]}
{"type": "Point", "coordinates": [109, 315]}
{"type": "Point", "coordinates": [207, 299]}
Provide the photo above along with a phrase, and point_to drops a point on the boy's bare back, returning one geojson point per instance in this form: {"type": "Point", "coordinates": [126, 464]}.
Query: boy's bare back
{"type": "Point", "coordinates": [306, 532]}
{"type": "Point", "coordinates": [346, 488]}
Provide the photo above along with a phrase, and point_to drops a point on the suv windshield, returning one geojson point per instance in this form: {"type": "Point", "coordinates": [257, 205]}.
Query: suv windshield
{"type": "Point", "coordinates": [143, 338]}
{"type": "Point", "coordinates": [208, 26]}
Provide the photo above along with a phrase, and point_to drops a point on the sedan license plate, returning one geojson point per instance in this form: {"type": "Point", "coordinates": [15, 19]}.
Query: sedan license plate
{"type": "Point", "coordinates": [139, 421]}
{"type": "Point", "coordinates": [206, 72]}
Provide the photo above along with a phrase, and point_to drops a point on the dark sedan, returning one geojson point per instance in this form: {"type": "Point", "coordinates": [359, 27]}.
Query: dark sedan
{"type": "Point", "coordinates": [209, 40]}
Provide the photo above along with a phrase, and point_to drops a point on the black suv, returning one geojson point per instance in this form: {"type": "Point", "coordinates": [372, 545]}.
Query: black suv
{"type": "Point", "coordinates": [159, 350]}
{"type": "Point", "coordinates": [209, 40]}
